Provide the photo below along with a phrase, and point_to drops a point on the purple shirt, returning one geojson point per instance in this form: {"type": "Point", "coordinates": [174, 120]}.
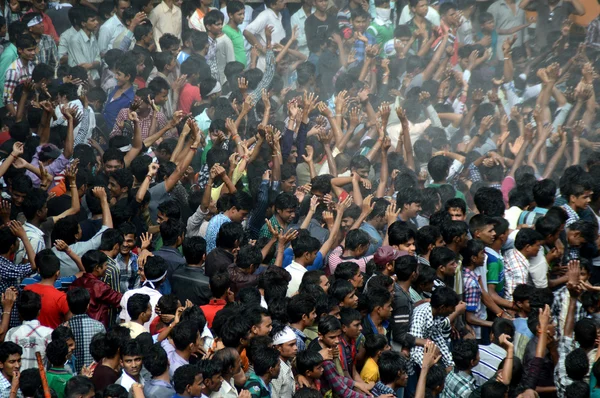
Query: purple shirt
{"type": "Point", "coordinates": [54, 168]}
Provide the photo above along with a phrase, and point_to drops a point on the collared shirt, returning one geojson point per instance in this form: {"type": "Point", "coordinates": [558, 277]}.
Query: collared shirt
{"type": "Point", "coordinates": [560, 308]}
{"type": "Point", "coordinates": [128, 271]}
{"type": "Point", "coordinates": [114, 105]}
{"type": "Point", "coordinates": [127, 381]}
{"type": "Point", "coordinates": [257, 28]}
{"type": "Point", "coordinates": [298, 20]}
{"type": "Point", "coordinates": [8, 56]}
{"type": "Point", "coordinates": [284, 385]}
{"type": "Point", "coordinates": [67, 265]}
{"type": "Point", "coordinates": [165, 20]}
{"type": "Point", "coordinates": [516, 268]}
{"type": "Point", "coordinates": [36, 238]}
{"type": "Point", "coordinates": [48, 53]}
{"type": "Point", "coordinates": [300, 339]}
{"type": "Point", "coordinates": [490, 357]}
{"type": "Point", "coordinates": [55, 168]}
{"type": "Point", "coordinates": [32, 337]}
{"type": "Point", "coordinates": [5, 387]}
{"type": "Point", "coordinates": [375, 239]}
{"type": "Point", "coordinates": [175, 360]}
{"type": "Point", "coordinates": [16, 74]}
{"type": "Point", "coordinates": [145, 123]}
{"type": "Point", "coordinates": [63, 43]}
{"type": "Point", "coordinates": [340, 385]}
{"type": "Point", "coordinates": [424, 326]}
{"type": "Point", "coordinates": [227, 390]}
{"type": "Point", "coordinates": [459, 384]}
{"type": "Point", "coordinates": [109, 32]}
{"type": "Point", "coordinates": [506, 19]}
{"type": "Point", "coordinates": [381, 389]}
{"type": "Point", "coordinates": [592, 37]}
{"type": "Point", "coordinates": [495, 270]}
{"type": "Point", "coordinates": [472, 297]}
{"type": "Point", "coordinates": [561, 379]}
{"type": "Point", "coordinates": [158, 389]}
{"type": "Point", "coordinates": [83, 49]}
{"type": "Point", "coordinates": [11, 275]}
{"type": "Point", "coordinates": [154, 297]}
{"type": "Point", "coordinates": [84, 328]}
{"type": "Point", "coordinates": [297, 271]}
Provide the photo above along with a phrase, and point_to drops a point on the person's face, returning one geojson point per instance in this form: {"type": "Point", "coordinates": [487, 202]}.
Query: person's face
{"type": "Point", "coordinates": [214, 383]}
{"type": "Point", "coordinates": [121, 78]}
{"type": "Point", "coordinates": [311, 318]}
{"type": "Point", "coordinates": [238, 17]}
{"type": "Point", "coordinates": [132, 364]}
{"type": "Point", "coordinates": [363, 173]}
{"type": "Point", "coordinates": [385, 312]}
{"type": "Point", "coordinates": [347, 223]}
{"type": "Point", "coordinates": [28, 53]}
{"type": "Point", "coordinates": [452, 17]}
{"type": "Point", "coordinates": [112, 165]}
{"type": "Point", "coordinates": [487, 234]}
{"type": "Point", "coordinates": [147, 9]}
{"type": "Point", "coordinates": [445, 310]}
{"type": "Point", "coordinates": [439, 242]}
{"type": "Point", "coordinates": [17, 198]}
{"type": "Point", "coordinates": [324, 283]}
{"type": "Point", "coordinates": [351, 300]}
{"type": "Point", "coordinates": [3, 30]}
{"type": "Point", "coordinates": [215, 29]}
{"type": "Point", "coordinates": [321, 5]}
{"type": "Point", "coordinates": [583, 275]}
{"type": "Point", "coordinates": [121, 7]}
{"type": "Point", "coordinates": [409, 246]}
{"type": "Point", "coordinates": [101, 270]}
{"type": "Point", "coordinates": [479, 259]}
{"type": "Point", "coordinates": [278, 6]}
{"type": "Point", "coordinates": [450, 268]}
{"type": "Point", "coordinates": [457, 214]}
{"type": "Point", "coordinates": [358, 280]}
{"type": "Point", "coordinates": [239, 215]}
{"type": "Point", "coordinates": [12, 364]}
{"type": "Point", "coordinates": [161, 98]}
{"type": "Point", "coordinates": [128, 244]}
{"type": "Point", "coordinates": [196, 388]}
{"type": "Point", "coordinates": [287, 215]}
{"type": "Point", "coordinates": [288, 350]}
{"type": "Point", "coordinates": [582, 201]}
{"type": "Point", "coordinates": [91, 24]}
{"type": "Point", "coordinates": [411, 210]}
{"type": "Point", "coordinates": [71, 347]}
{"type": "Point", "coordinates": [353, 330]}
{"type": "Point", "coordinates": [292, 156]}
{"type": "Point", "coordinates": [488, 26]}
{"type": "Point", "coordinates": [39, 5]}
{"type": "Point", "coordinates": [264, 327]}
{"type": "Point", "coordinates": [311, 257]}
{"type": "Point", "coordinates": [161, 217]}
{"type": "Point", "coordinates": [114, 187]}
{"type": "Point", "coordinates": [276, 370]}
{"type": "Point", "coordinates": [289, 185]}
{"type": "Point", "coordinates": [360, 24]}
{"type": "Point", "coordinates": [331, 339]}
{"type": "Point", "coordinates": [421, 8]}
{"type": "Point", "coordinates": [147, 314]}
{"type": "Point", "coordinates": [317, 372]}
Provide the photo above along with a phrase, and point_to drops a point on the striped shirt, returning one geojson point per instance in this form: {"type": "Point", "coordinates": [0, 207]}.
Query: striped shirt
{"type": "Point", "coordinates": [490, 357]}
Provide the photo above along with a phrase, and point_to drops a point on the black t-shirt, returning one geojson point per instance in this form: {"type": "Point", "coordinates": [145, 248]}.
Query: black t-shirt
{"type": "Point", "coordinates": [317, 30]}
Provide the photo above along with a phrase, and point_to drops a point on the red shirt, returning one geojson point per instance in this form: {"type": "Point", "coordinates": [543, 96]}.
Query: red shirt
{"type": "Point", "coordinates": [102, 297]}
{"type": "Point", "coordinates": [54, 305]}
{"type": "Point", "coordinates": [189, 94]}
{"type": "Point", "coordinates": [211, 309]}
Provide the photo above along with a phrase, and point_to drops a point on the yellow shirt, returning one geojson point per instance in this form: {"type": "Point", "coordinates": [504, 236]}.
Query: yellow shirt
{"type": "Point", "coordinates": [370, 372]}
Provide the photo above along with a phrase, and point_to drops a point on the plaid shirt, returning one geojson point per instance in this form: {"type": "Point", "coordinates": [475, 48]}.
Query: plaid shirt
{"type": "Point", "coordinates": [48, 52]}
{"type": "Point", "coordinates": [11, 275]}
{"type": "Point", "coordinates": [424, 326]}
{"type": "Point", "coordinates": [472, 292]}
{"type": "Point", "coordinates": [474, 173]}
{"type": "Point", "coordinates": [300, 339]}
{"type": "Point", "coordinates": [340, 385]}
{"type": "Point", "coordinates": [560, 308]}
{"type": "Point", "coordinates": [381, 389]}
{"type": "Point", "coordinates": [5, 387]}
{"type": "Point", "coordinates": [458, 384]}
{"type": "Point", "coordinates": [145, 123]}
{"type": "Point", "coordinates": [32, 337]}
{"type": "Point", "coordinates": [573, 216]}
{"type": "Point", "coordinates": [16, 74]}
{"type": "Point", "coordinates": [592, 38]}
{"type": "Point", "coordinates": [84, 328]}
{"type": "Point", "coordinates": [516, 271]}
{"type": "Point", "coordinates": [561, 380]}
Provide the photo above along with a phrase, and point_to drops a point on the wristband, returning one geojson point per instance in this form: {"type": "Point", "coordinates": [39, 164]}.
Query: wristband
{"type": "Point", "coordinates": [194, 148]}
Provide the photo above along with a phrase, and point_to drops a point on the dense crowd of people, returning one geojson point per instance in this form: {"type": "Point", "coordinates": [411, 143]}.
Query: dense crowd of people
{"type": "Point", "coordinates": [319, 199]}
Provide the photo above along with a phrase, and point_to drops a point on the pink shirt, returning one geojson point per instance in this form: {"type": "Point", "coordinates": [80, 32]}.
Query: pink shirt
{"type": "Point", "coordinates": [189, 94]}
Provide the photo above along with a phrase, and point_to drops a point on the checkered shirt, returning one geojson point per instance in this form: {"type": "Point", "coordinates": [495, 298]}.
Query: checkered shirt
{"type": "Point", "coordinates": [516, 271]}
{"type": "Point", "coordinates": [424, 326]}
{"type": "Point", "coordinates": [458, 385]}
{"type": "Point", "coordinates": [84, 328]}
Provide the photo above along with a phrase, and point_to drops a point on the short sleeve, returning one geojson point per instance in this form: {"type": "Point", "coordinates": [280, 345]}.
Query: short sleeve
{"type": "Point", "coordinates": [493, 274]}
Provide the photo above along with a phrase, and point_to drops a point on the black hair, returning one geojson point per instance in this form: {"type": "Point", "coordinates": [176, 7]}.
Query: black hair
{"type": "Point", "coordinates": [78, 386]}
{"type": "Point", "coordinates": [248, 256]}
{"type": "Point", "coordinates": [156, 360]}
{"type": "Point", "coordinates": [184, 376]}
{"type": "Point", "coordinates": [194, 249]}
{"type": "Point", "coordinates": [234, 331]}
{"type": "Point", "coordinates": [441, 256]}
{"type": "Point", "coordinates": [404, 267]}
{"type": "Point", "coordinates": [400, 233]}
{"type": "Point", "coordinates": [92, 259]}
{"type": "Point", "coordinates": [346, 270]}
{"type": "Point", "coordinates": [577, 364]}
{"type": "Point", "coordinates": [390, 363]}
{"type": "Point", "coordinates": [340, 289]}
{"type": "Point", "coordinates": [444, 297]}
{"type": "Point", "coordinates": [585, 333]}
{"type": "Point", "coordinates": [184, 334]}
{"type": "Point", "coordinates": [489, 202]}
{"type": "Point", "coordinates": [29, 305]}
{"type": "Point", "coordinates": [349, 315]}
{"type": "Point", "coordinates": [110, 238]}
{"type": "Point", "coordinates": [137, 305]}
{"type": "Point", "coordinates": [264, 360]}
{"type": "Point", "coordinates": [171, 230]}
{"type": "Point", "coordinates": [300, 305]}
{"type": "Point", "coordinates": [115, 391]}
{"type": "Point", "coordinates": [426, 236]}
{"type": "Point", "coordinates": [229, 233]}
{"type": "Point", "coordinates": [307, 360]}
{"type": "Point", "coordinates": [127, 66]}
{"type": "Point", "coordinates": [78, 300]}
{"type": "Point", "coordinates": [464, 352]}
{"type": "Point", "coordinates": [329, 324]}
{"type": "Point", "coordinates": [526, 237]}
{"type": "Point", "coordinates": [131, 348]}
{"type": "Point", "coordinates": [523, 292]}
{"type": "Point", "coordinates": [377, 297]}
{"type": "Point", "coordinates": [577, 389]}
{"type": "Point", "coordinates": [168, 40]}
{"type": "Point", "coordinates": [374, 343]}
{"type": "Point", "coordinates": [56, 352]}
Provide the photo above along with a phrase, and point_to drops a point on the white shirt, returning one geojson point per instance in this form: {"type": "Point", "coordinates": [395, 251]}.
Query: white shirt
{"type": "Point", "coordinates": [67, 265]}
{"type": "Point", "coordinates": [36, 238]}
{"type": "Point", "coordinates": [297, 271]}
{"type": "Point", "coordinates": [432, 16]}
{"type": "Point", "coordinates": [538, 270]}
{"type": "Point", "coordinates": [109, 32]}
{"type": "Point", "coordinates": [490, 357]}
{"type": "Point", "coordinates": [512, 216]}
{"type": "Point", "coordinates": [32, 337]}
{"type": "Point", "coordinates": [299, 19]}
{"type": "Point", "coordinates": [127, 381]}
{"type": "Point", "coordinates": [226, 391]}
{"type": "Point", "coordinates": [154, 297]}
{"type": "Point", "coordinates": [257, 28]}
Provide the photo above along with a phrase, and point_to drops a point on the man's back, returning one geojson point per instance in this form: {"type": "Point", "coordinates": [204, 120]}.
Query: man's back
{"type": "Point", "coordinates": [190, 283]}
{"type": "Point", "coordinates": [84, 328]}
{"type": "Point", "coordinates": [54, 304]}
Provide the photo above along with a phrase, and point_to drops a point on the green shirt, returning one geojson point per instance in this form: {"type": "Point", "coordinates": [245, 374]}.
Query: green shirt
{"type": "Point", "coordinates": [382, 33]}
{"type": "Point", "coordinates": [237, 39]}
{"type": "Point", "coordinates": [9, 55]}
{"type": "Point", "coordinates": [495, 271]}
{"type": "Point", "coordinates": [256, 386]}
{"type": "Point", "coordinates": [457, 193]}
{"type": "Point", "coordinates": [57, 380]}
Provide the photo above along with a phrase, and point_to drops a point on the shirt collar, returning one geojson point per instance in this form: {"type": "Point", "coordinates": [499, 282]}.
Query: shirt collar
{"type": "Point", "coordinates": [32, 228]}
{"type": "Point", "coordinates": [493, 252]}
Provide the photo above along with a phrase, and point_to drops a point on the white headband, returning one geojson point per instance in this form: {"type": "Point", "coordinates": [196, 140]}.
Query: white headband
{"type": "Point", "coordinates": [151, 282]}
{"type": "Point", "coordinates": [34, 21]}
{"type": "Point", "coordinates": [284, 336]}
{"type": "Point", "coordinates": [216, 89]}
{"type": "Point", "coordinates": [125, 148]}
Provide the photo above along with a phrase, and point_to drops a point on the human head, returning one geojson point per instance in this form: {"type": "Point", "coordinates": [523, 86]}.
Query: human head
{"type": "Point", "coordinates": [392, 368]}
{"type": "Point", "coordinates": [131, 357]}
{"type": "Point", "coordinates": [329, 331]}
{"type": "Point", "coordinates": [443, 260]}
{"type": "Point", "coordinates": [309, 364]}
{"type": "Point", "coordinates": [139, 308]}
{"type": "Point", "coordinates": [79, 387]}
{"type": "Point", "coordinates": [10, 358]}
{"type": "Point", "coordinates": [444, 300]}
{"type": "Point", "coordinates": [528, 242]}
{"type": "Point", "coordinates": [156, 360]}
{"type": "Point", "coordinates": [188, 380]}
{"type": "Point", "coordinates": [29, 305]}
{"type": "Point", "coordinates": [94, 262]}
{"type": "Point", "coordinates": [344, 292]}
{"type": "Point", "coordinates": [402, 237]}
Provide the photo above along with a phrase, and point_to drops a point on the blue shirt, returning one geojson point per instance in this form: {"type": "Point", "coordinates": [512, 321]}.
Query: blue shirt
{"type": "Point", "coordinates": [213, 230]}
{"type": "Point", "coordinates": [374, 237]}
{"type": "Point", "coordinates": [288, 257]}
{"type": "Point", "coordinates": [112, 108]}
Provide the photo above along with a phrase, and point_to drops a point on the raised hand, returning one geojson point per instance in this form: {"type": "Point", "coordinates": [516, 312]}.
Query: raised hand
{"type": "Point", "coordinates": [308, 158]}
{"type": "Point", "coordinates": [18, 149]}
{"type": "Point", "coordinates": [146, 240]}
{"type": "Point", "coordinates": [61, 245]}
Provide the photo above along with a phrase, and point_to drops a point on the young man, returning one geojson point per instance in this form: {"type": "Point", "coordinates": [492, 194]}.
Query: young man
{"type": "Point", "coordinates": [236, 208]}
{"type": "Point", "coordinates": [227, 242]}
{"type": "Point", "coordinates": [53, 301]}
{"type": "Point", "coordinates": [83, 327]}
{"type": "Point", "coordinates": [221, 295]}
{"type": "Point", "coordinates": [190, 282]}
{"type": "Point", "coordinates": [165, 19]}
{"type": "Point", "coordinates": [406, 272]}
{"type": "Point", "coordinates": [285, 206]}
{"type": "Point", "coordinates": [10, 366]}
{"type": "Point", "coordinates": [267, 367]}
{"type": "Point", "coordinates": [140, 311]}
{"type": "Point", "coordinates": [305, 252]}
{"type": "Point", "coordinates": [190, 93]}
{"type": "Point", "coordinates": [56, 353]}
{"type": "Point", "coordinates": [186, 341]}
{"type": "Point", "coordinates": [31, 334]}
{"type": "Point", "coordinates": [172, 232]}
{"type": "Point", "coordinates": [577, 193]}
{"type": "Point", "coordinates": [310, 365]}
{"type": "Point", "coordinates": [392, 373]}
{"type": "Point", "coordinates": [256, 32]}
{"type": "Point", "coordinates": [302, 314]}
{"type": "Point", "coordinates": [102, 297]}
{"type": "Point", "coordinates": [157, 363]}
{"type": "Point", "coordinates": [19, 71]}
{"type": "Point", "coordinates": [401, 236]}
{"type": "Point", "coordinates": [213, 21]}
{"type": "Point", "coordinates": [460, 381]}
{"type": "Point", "coordinates": [113, 27]}
{"type": "Point", "coordinates": [457, 208]}
{"type": "Point", "coordinates": [242, 272]}
{"type": "Point", "coordinates": [126, 260]}
{"type": "Point", "coordinates": [122, 95]}
{"type": "Point", "coordinates": [375, 224]}
{"type": "Point", "coordinates": [561, 307]}
{"type": "Point", "coordinates": [473, 257]}
{"type": "Point", "coordinates": [380, 310]}
{"type": "Point", "coordinates": [211, 372]}
{"type": "Point", "coordinates": [408, 202]}
{"type": "Point", "coordinates": [443, 260]}
{"type": "Point", "coordinates": [284, 340]}
{"type": "Point", "coordinates": [490, 356]}
{"type": "Point", "coordinates": [357, 244]}
{"type": "Point", "coordinates": [427, 237]}
{"type": "Point", "coordinates": [83, 47]}
{"type": "Point", "coordinates": [516, 261]}
{"type": "Point", "coordinates": [351, 340]}
{"type": "Point", "coordinates": [131, 362]}
{"type": "Point", "coordinates": [236, 10]}
{"type": "Point", "coordinates": [47, 53]}
{"type": "Point", "coordinates": [187, 381]}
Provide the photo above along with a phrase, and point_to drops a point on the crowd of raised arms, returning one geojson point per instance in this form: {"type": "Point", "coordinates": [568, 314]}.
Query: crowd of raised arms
{"type": "Point", "coordinates": [330, 198]}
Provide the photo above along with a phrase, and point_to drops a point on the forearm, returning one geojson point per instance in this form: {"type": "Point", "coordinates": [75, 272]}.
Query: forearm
{"type": "Point", "coordinates": [106, 216]}
{"type": "Point", "coordinates": [29, 252]}
{"type": "Point", "coordinates": [408, 151]}
{"type": "Point", "coordinates": [472, 319]}
{"type": "Point", "coordinates": [267, 248]}
{"type": "Point", "coordinates": [151, 139]}
{"type": "Point", "coordinates": [229, 184]}
{"type": "Point", "coordinates": [139, 196]}
{"type": "Point", "coordinates": [555, 159]}
{"type": "Point", "coordinates": [22, 105]}
{"type": "Point", "coordinates": [178, 147]}
{"type": "Point", "coordinates": [512, 30]}
{"type": "Point", "coordinates": [76, 259]}
{"type": "Point", "coordinates": [383, 176]}
{"type": "Point", "coordinates": [279, 257]}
